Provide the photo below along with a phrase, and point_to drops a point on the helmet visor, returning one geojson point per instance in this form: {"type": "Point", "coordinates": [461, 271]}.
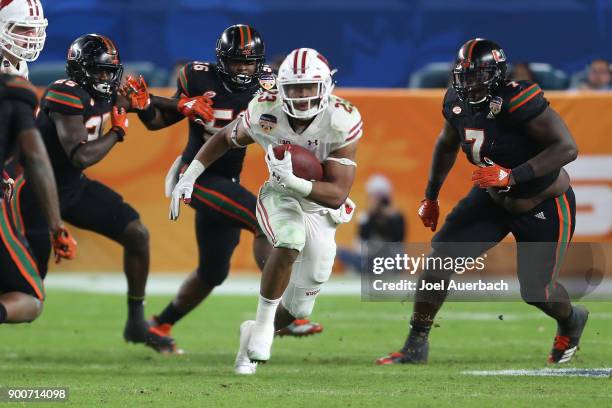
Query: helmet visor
{"type": "Point", "coordinates": [473, 84]}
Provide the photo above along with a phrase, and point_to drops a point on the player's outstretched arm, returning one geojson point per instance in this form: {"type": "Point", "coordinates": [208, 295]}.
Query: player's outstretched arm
{"type": "Point", "coordinates": [39, 173]}
{"type": "Point", "coordinates": [72, 135]}
{"type": "Point", "coordinates": [231, 136]}
{"type": "Point", "coordinates": [548, 129]}
{"type": "Point", "coordinates": [444, 156]}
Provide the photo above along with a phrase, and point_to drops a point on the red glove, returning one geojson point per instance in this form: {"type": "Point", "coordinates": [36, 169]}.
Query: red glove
{"type": "Point", "coordinates": [64, 246]}
{"type": "Point", "coordinates": [137, 92]}
{"type": "Point", "coordinates": [119, 122]}
{"type": "Point", "coordinates": [491, 176]}
{"type": "Point", "coordinates": [198, 109]}
{"type": "Point", "coordinates": [429, 212]}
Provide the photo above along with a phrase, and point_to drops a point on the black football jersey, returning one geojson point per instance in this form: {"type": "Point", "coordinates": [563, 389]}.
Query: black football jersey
{"type": "Point", "coordinates": [68, 98]}
{"type": "Point", "coordinates": [495, 130]}
{"type": "Point", "coordinates": [18, 102]}
{"type": "Point", "coordinates": [199, 78]}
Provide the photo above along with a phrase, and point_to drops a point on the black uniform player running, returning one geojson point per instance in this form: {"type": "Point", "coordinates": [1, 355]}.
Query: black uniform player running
{"type": "Point", "coordinates": [71, 119]}
{"type": "Point", "coordinates": [520, 146]}
{"type": "Point", "coordinates": [212, 96]}
{"type": "Point", "coordinates": [21, 287]}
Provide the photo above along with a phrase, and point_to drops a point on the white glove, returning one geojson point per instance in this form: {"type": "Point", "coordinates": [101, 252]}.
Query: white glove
{"type": "Point", "coordinates": [281, 173]}
{"type": "Point", "coordinates": [345, 213]}
{"type": "Point", "coordinates": [184, 188]}
{"type": "Point", "coordinates": [172, 176]}
{"type": "Point", "coordinates": [8, 188]}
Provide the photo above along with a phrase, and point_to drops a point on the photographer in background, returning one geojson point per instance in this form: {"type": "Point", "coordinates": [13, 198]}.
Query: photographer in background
{"type": "Point", "coordinates": [380, 224]}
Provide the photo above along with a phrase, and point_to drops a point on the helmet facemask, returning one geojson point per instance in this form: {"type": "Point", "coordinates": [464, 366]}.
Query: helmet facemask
{"type": "Point", "coordinates": [102, 80]}
{"type": "Point", "coordinates": [305, 99]}
{"type": "Point", "coordinates": [475, 84]}
{"type": "Point", "coordinates": [237, 80]}
{"type": "Point", "coordinates": [23, 40]}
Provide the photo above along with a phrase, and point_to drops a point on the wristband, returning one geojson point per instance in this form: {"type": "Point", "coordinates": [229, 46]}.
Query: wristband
{"type": "Point", "coordinates": [195, 170]}
{"type": "Point", "coordinates": [522, 173]}
{"type": "Point", "coordinates": [299, 185]}
{"type": "Point", "coordinates": [119, 131]}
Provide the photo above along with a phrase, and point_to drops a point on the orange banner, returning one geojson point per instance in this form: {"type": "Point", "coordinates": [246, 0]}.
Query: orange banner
{"type": "Point", "coordinates": [401, 127]}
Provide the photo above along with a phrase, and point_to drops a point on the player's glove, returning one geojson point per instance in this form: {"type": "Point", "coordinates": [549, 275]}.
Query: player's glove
{"type": "Point", "coordinates": [172, 176]}
{"type": "Point", "coordinates": [8, 187]}
{"type": "Point", "coordinates": [492, 175]}
{"type": "Point", "coordinates": [137, 92]}
{"type": "Point", "coordinates": [64, 246]}
{"type": "Point", "coordinates": [197, 109]}
{"type": "Point", "coordinates": [345, 213]}
{"type": "Point", "coordinates": [119, 122]}
{"type": "Point", "coordinates": [429, 212]}
{"type": "Point", "coordinates": [184, 188]}
{"type": "Point", "coordinates": [281, 173]}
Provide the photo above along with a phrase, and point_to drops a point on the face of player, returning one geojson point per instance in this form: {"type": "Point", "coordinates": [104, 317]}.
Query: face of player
{"type": "Point", "coordinates": [241, 67]}
{"type": "Point", "coordinates": [21, 31]}
{"type": "Point", "coordinates": [475, 83]}
{"type": "Point", "coordinates": [302, 91]}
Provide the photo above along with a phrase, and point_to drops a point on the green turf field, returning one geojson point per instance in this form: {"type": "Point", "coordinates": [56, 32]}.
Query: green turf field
{"type": "Point", "coordinates": [77, 344]}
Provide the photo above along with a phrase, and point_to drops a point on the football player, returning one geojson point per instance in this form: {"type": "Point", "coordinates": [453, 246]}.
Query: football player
{"type": "Point", "coordinates": [21, 288]}
{"type": "Point", "coordinates": [298, 216]}
{"type": "Point", "coordinates": [518, 145]}
{"type": "Point", "coordinates": [211, 96]}
{"type": "Point", "coordinates": [22, 38]}
{"type": "Point", "coordinates": [71, 120]}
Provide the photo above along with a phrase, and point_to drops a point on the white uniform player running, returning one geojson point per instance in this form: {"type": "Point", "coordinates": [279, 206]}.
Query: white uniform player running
{"type": "Point", "coordinates": [22, 35]}
{"type": "Point", "coordinates": [298, 216]}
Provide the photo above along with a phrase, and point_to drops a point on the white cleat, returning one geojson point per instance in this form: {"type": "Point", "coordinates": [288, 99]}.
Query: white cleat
{"type": "Point", "coordinates": [243, 365]}
{"type": "Point", "coordinates": [260, 344]}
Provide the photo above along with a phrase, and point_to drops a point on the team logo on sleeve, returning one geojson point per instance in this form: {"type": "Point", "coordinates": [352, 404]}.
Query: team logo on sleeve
{"type": "Point", "coordinates": [267, 81]}
{"type": "Point", "coordinates": [495, 107]}
{"type": "Point", "coordinates": [456, 110]}
{"type": "Point", "coordinates": [267, 122]}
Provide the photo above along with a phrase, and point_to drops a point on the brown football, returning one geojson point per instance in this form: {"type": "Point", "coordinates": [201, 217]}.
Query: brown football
{"type": "Point", "coordinates": [305, 164]}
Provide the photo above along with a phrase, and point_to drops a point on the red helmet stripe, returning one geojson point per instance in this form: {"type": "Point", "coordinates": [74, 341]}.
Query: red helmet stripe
{"type": "Point", "coordinates": [304, 54]}
{"type": "Point", "coordinates": [31, 8]}
{"type": "Point", "coordinates": [37, 7]}
{"type": "Point", "coordinates": [471, 48]}
{"type": "Point", "coordinates": [241, 38]}
{"type": "Point", "coordinates": [295, 60]}
{"type": "Point", "coordinates": [248, 36]}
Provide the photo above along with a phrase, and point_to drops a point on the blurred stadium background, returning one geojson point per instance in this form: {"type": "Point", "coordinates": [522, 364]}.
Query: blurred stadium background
{"type": "Point", "coordinates": [384, 51]}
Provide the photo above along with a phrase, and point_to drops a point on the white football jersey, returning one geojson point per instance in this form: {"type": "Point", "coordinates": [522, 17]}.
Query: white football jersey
{"type": "Point", "coordinates": [20, 70]}
{"type": "Point", "coordinates": [337, 126]}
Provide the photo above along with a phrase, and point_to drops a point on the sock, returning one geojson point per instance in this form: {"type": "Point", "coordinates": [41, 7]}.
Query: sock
{"type": "Point", "coordinates": [135, 308]}
{"type": "Point", "coordinates": [170, 315]}
{"type": "Point", "coordinates": [266, 310]}
{"type": "Point", "coordinates": [417, 335]}
{"type": "Point", "coordinates": [3, 314]}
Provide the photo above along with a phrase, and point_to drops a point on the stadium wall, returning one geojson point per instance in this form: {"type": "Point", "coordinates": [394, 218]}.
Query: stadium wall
{"type": "Point", "coordinates": [400, 130]}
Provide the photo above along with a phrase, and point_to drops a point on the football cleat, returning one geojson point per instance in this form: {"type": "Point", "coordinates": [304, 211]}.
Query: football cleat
{"type": "Point", "coordinates": [566, 341]}
{"type": "Point", "coordinates": [300, 328]}
{"type": "Point", "coordinates": [243, 364]}
{"type": "Point", "coordinates": [416, 351]}
{"type": "Point", "coordinates": [151, 336]}
{"type": "Point", "coordinates": [259, 346]}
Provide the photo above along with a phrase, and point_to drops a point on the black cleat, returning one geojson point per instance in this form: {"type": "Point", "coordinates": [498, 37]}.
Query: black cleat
{"type": "Point", "coordinates": [566, 341]}
{"type": "Point", "coordinates": [141, 332]}
{"type": "Point", "coordinates": [416, 351]}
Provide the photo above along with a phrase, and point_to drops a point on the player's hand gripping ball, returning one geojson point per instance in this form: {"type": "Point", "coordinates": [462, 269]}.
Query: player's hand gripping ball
{"type": "Point", "coordinates": [304, 164]}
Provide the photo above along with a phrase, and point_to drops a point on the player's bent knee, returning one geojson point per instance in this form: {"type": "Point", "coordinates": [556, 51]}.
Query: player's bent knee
{"type": "Point", "coordinates": [136, 236]}
{"type": "Point", "coordinates": [213, 275]}
{"type": "Point", "coordinates": [299, 301]}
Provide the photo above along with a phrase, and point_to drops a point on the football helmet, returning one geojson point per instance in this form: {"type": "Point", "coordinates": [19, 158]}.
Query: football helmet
{"type": "Point", "coordinates": [93, 62]}
{"type": "Point", "coordinates": [239, 43]}
{"type": "Point", "coordinates": [22, 28]}
{"type": "Point", "coordinates": [303, 67]}
{"type": "Point", "coordinates": [479, 70]}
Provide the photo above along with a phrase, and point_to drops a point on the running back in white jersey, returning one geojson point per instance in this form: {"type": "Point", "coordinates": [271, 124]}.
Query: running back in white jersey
{"type": "Point", "coordinates": [337, 126]}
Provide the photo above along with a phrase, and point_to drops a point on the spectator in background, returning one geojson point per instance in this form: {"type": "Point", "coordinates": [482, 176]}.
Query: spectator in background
{"type": "Point", "coordinates": [380, 224]}
{"type": "Point", "coordinates": [598, 76]}
{"type": "Point", "coordinates": [521, 72]}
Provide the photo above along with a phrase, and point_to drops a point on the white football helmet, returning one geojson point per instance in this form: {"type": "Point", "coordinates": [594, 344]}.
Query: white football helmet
{"type": "Point", "coordinates": [305, 66]}
{"type": "Point", "coordinates": [22, 28]}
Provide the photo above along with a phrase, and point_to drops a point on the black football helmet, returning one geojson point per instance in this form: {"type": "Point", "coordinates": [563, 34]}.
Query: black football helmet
{"type": "Point", "coordinates": [480, 69]}
{"type": "Point", "coordinates": [239, 43]}
{"type": "Point", "coordinates": [93, 62]}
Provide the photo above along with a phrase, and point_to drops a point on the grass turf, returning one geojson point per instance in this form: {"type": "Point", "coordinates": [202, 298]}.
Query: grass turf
{"type": "Point", "coordinates": [77, 343]}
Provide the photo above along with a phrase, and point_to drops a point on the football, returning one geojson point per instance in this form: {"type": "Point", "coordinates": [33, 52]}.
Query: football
{"type": "Point", "coordinates": [305, 164]}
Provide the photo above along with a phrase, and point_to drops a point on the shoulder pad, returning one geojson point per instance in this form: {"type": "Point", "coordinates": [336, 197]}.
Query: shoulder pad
{"type": "Point", "coordinates": [65, 96]}
{"type": "Point", "coordinates": [345, 117]}
{"type": "Point", "coordinates": [20, 89]}
{"type": "Point", "coordinates": [186, 80]}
